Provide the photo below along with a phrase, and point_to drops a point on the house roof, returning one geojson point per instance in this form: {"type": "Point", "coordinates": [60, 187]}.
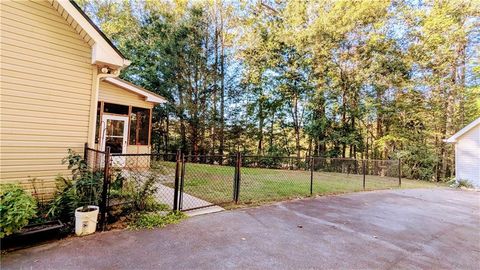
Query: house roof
{"type": "Point", "coordinates": [103, 50]}
{"type": "Point", "coordinates": [97, 29]}
{"type": "Point", "coordinates": [464, 130]}
{"type": "Point", "coordinates": [148, 95]}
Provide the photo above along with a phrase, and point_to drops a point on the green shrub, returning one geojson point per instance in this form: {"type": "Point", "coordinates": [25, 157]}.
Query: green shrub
{"type": "Point", "coordinates": [460, 183]}
{"type": "Point", "coordinates": [43, 204]}
{"type": "Point", "coordinates": [84, 188]}
{"type": "Point", "coordinates": [16, 208]}
{"type": "Point", "coordinates": [150, 220]}
{"type": "Point", "coordinates": [141, 195]}
{"type": "Point", "coordinates": [418, 162]}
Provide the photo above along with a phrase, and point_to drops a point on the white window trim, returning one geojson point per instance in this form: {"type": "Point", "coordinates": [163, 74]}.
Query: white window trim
{"type": "Point", "coordinates": [104, 130]}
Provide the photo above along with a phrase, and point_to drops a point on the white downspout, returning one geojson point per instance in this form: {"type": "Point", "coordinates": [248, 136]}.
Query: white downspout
{"type": "Point", "coordinates": [96, 78]}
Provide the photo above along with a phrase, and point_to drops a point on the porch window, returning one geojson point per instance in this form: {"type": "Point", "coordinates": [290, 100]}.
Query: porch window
{"type": "Point", "coordinates": [139, 126]}
{"type": "Point", "coordinates": [115, 108]}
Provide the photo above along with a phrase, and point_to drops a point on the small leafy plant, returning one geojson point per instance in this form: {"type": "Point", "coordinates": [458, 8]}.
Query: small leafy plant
{"type": "Point", "coordinates": [150, 220]}
{"type": "Point", "coordinates": [43, 204]}
{"type": "Point", "coordinates": [82, 189]}
{"type": "Point", "coordinates": [17, 207]}
{"type": "Point", "coordinates": [454, 183]}
{"type": "Point", "coordinates": [140, 193]}
{"type": "Point", "coordinates": [143, 197]}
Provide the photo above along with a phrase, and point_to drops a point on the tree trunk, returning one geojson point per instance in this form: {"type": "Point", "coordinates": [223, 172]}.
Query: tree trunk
{"type": "Point", "coordinates": [344, 113]}
{"type": "Point", "coordinates": [310, 143]}
{"type": "Point", "coordinates": [222, 85]}
{"type": "Point", "coordinates": [213, 131]}
{"type": "Point", "coordinates": [296, 125]}
{"type": "Point", "coordinates": [272, 122]}
{"type": "Point", "coordinates": [167, 132]}
{"type": "Point", "coordinates": [379, 122]}
{"type": "Point", "coordinates": [260, 129]}
{"type": "Point", "coordinates": [183, 135]}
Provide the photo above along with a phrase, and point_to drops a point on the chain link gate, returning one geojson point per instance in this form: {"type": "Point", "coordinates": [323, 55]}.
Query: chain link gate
{"type": "Point", "coordinates": [204, 181]}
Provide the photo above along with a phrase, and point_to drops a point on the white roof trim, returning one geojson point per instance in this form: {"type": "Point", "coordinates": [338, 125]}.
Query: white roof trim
{"type": "Point", "coordinates": [149, 97]}
{"type": "Point", "coordinates": [464, 130]}
{"type": "Point", "coordinates": [102, 51]}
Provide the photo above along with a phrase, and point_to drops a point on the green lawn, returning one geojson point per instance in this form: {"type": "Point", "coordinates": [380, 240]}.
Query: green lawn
{"type": "Point", "coordinates": [214, 183]}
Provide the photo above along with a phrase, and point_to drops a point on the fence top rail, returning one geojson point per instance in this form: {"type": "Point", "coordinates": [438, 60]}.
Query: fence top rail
{"type": "Point", "coordinates": [245, 156]}
{"type": "Point", "coordinates": [382, 160]}
{"type": "Point", "coordinates": [319, 157]}
{"type": "Point", "coordinates": [358, 159]}
{"type": "Point", "coordinates": [257, 156]}
{"type": "Point", "coordinates": [141, 154]}
{"type": "Point", "coordinates": [95, 150]}
{"type": "Point", "coordinates": [210, 156]}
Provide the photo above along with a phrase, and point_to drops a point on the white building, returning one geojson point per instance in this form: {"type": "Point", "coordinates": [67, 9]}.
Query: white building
{"type": "Point", "coordinates": [467, 153]}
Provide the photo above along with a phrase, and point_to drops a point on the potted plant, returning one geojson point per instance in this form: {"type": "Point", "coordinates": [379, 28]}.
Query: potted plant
{"type": "Point", "coordinates": [86, 219]}
{"type": "Point", "coordinates": [77, 197]}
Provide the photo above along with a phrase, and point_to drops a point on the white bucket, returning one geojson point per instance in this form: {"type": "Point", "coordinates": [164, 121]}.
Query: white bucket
{"type": "Point", "coordinates": [86, 222]}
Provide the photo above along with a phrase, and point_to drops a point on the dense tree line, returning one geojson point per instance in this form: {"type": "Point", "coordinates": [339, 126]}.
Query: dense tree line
{"type": "Point", "coordinates": [354, 79]}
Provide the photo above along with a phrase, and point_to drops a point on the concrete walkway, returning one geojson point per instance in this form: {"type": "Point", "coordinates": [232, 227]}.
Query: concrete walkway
{"type": "Point", "coordinates": [166, 194]}
{"type": "Point", "coordinates": [398, 229]}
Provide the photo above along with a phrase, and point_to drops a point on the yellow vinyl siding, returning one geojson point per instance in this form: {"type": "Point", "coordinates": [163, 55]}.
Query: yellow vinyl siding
{"type": "Point", "coordinates": [43, 108]}
{"type": "Point", "coordinates": [46, 92]}
{"type": "Point", "coordinates": [29, 13]}
{"type": "Point", "coordinates": [28, 86]}
{"type": "Point", "coordinates": [54, 68]}
{"type": "Point", "coordinates": [47, 96]}
{"type": "Point", "coordinates": [113, 94]}
{"type": "Point", "coordinates": [60, 80]}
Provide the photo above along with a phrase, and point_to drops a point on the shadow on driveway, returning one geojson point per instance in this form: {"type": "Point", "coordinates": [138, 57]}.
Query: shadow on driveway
{"type": "Point", "coordinates": [407, 229]}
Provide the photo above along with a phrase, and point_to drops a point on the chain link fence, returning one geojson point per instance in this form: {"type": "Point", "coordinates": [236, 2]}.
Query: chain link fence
{"type": "Point", "coordinates": [264, 179]}
{"type": "Point", "coordinates": [95, 159]}
{"type": "Point", "coordinates": [206, 180]}
{"type": "Point", "coordinates": [233, 180]}
{"type": "Point", "coordinates": [188, 182]}
{"type": "Point", "coordinates": [140, 182]}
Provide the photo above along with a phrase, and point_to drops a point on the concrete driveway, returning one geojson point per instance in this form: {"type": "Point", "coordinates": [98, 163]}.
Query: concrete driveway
{"type": "Point", "coordinates": [400, 229]}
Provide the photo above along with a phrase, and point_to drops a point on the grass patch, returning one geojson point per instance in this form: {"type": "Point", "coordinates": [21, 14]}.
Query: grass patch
{"type": "Point", "coordinates": [214, 183]}
{"type": "Point", "coordinates": [151, 220]}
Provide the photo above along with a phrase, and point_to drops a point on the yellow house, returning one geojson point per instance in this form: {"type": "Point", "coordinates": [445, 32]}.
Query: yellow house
{"type": "Point", "coordinates": [60, 89]}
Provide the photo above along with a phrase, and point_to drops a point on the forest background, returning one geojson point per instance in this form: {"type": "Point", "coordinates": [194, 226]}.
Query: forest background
{"type": "Point", "coordinates": [353, 79]}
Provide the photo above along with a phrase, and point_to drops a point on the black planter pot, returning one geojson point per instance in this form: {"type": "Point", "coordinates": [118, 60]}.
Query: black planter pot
{"type": "Point", "coordinates": [33, 234]}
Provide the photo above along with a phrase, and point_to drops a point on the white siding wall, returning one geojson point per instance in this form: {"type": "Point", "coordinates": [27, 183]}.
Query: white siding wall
{"type": "Point", "coordinates": [467, 156]}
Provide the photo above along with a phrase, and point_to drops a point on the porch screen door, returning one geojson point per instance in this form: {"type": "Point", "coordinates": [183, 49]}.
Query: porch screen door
{"type": "Point", "coordinates": [115, 132]}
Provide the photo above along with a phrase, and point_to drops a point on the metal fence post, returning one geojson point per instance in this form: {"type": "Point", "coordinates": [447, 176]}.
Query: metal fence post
{"type": "Point", "coordinates": [85, 153]}
{"type": "Point", "coordinates": [106, 180]}
{"type": "Point", "coordinates": [399, 172]}
{"type": "Point", "coordinates": [237, 177]}
{"type": "Point", "coordinates": [312, 168]}
{"type": "Point", "coordinates": [364, 172]}
{"type": "Point", "coordinates": [177, 178]}
{"type": "Point", "coordinates": [182, 180]}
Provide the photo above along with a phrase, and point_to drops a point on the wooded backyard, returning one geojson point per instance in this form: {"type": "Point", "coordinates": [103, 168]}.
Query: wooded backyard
{"type": "Point", "coordinates": [358, 79]}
